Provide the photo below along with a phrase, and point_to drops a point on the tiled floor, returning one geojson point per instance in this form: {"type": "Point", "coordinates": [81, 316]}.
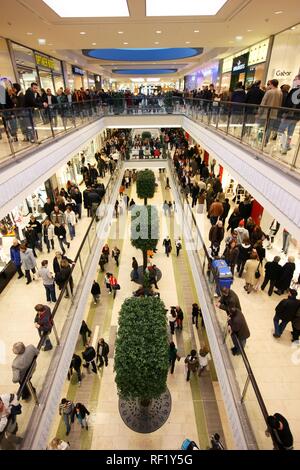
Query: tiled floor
{"type": "Point", "coordinates": [190, 408]}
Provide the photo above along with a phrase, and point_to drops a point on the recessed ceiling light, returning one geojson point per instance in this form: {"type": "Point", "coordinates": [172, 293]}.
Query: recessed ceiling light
{"type": "Point", "coordinates": [158, 32]}
{"type": "Point", "coordinates": [120, 32]}
{"type": "Point", "coordinates": [188, 42]}
{"type": "Point", "coordinates": [196, 30]}
{"type": "Point", "coordinates": [293, 28]}
{"type": "Point", "coordinates": [82, 32]}
{"type": "Point", "coordinates": [156, 42]}
{"type": "Point", "coordinates": [278, 12]}
{"type": "Point", "coordinates": [183, 8]}
{"type": "Point", "coordinates": [249, 30]}
{"type": "Point", "coordinates": [41, 41]}
{"type": "Point", "coordinates": [238, 38]}
{"type": "Point", "coordinates": [94, 43]}
{"type": "Point", "coordinates": [125, 43]}
{"type": "Point", "coordinates": [71, 9]}
{"type": "Point", "coordinates": [29, 34]}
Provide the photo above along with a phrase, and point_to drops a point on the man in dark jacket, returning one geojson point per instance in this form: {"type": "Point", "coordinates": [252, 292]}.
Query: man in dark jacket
{"type": "Point", "coordinates": [102, 353]}
{"type": "Point", "coordinates": [238, 328]}
{"type": "Point", "coordinates": [48, 207]}
{"type": "Point", "coordinates": [89, 355]}
{"type": "Point", "coordinates": [285, 312]}
{"type": "Point", "coordinates": [281, 430]}
{"type": "Point", "coordinates": [296, 326]}
{"type": "Point", "coordinates": [75, 364]}
{"type": "Point", "coordinates": [43, 322]}
{"type": "Point", "coordinates": [228, 300]}
{"type": "Point", "coordinates": [286, 276]}
{"type": "Point", "coordinates": [216, 233]}
{"type": "Point", "coordinates": [254, 96]}
{"type": "Point", "coordinates": [238, 96]}
{"type": "Point", "coordinates": [272, 274]}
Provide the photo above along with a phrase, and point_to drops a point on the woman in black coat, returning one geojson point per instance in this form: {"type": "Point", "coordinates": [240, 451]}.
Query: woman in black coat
{"type": "Point", "coordinates": [286, 276]}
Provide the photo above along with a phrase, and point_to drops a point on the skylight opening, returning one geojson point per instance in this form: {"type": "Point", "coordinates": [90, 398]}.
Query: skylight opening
{"type": "Point", "coordinates": [183, 8]}
{"type": "Point", "coordinates": [94, 8]}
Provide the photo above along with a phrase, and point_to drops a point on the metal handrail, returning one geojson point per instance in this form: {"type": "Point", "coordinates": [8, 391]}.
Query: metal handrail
{"type": "Point", "coordinates": [250, 373]}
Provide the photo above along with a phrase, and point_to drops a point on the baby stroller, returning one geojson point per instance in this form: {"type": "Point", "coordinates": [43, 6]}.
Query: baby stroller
{"type": "Point", "coordinates": [189, 445]}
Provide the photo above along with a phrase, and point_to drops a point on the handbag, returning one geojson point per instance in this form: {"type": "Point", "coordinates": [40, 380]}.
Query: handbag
{"type": "Point", "coordinates": [257, 273]}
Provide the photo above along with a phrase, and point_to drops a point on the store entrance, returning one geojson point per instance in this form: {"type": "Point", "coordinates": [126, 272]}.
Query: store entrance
{"type": "Point", "coordinates": [26, 77]}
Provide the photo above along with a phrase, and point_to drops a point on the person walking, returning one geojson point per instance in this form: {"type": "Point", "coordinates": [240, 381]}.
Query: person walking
{"type": "Point", "coordinates": [15, 256]}
{"type": "Point", "coordinates": [215, 211]}
{"type": "Point", "coordinates": [44, 323]}
{"type": "Point", "coordinates": [237, 328]}
{"type": "Point", "coordinates": [61, 234]}
{"type": "Point", "coordinates": [135, 268]}
{"type": "Point", "coordinates": [272, 274]}
{"type": "Point", "coordinates": [89, 355]}
{"type": "Point", "coordinates": [81, 413]}
{"type": "Point", "coordinates": [48, 234]}
{"type": "Point", "coordinates": [28, 262]}
{"type": "Point", "coordinates": [204, 357]}
{"type": "Point", "coordinates": [48, 281]}
{"type": "Point", "coordinates": [115, 253]}
{"type": "Point", "coordinates": [231, 254]}
{"type": "Point", "coordinates": [96, 291]}
{"type": "Point", "coordinates": [245, 250]}
{"type": "Point", "coordinates": [191, 363]}
{"type": "Point", "coordinates": [168, 246]}
{"type": "Point", "coordinates": [22, 363]}
{"type": "Point", "coordinates": [102, 262]}
{"type": "Point", "coordinates": [216, 234]}
{"type": "Point", "coordinates": [84, 332]}
{"type": "Point", "coordinates": [173, 356]}
{"type": "Point", "coordinates": [66, 408]}
{"type": "Point", "coordinates": [178, 245]}
{"type": "Point", "coordinates": [107, 283]}
{"type": "Point", "coordinates": [102, 353]}
{"type": "Point", "coordinates": [106, 252]}
{"type": "Point", "coordinates": [76, 365]}
{"type": "Point", "coordinates": [179, 317]}
{"type": "Point", "coordinates": [196, 311]}
{"type": "Point", "coordinates": [70, 219]}
{"type": "Point", "coordinates": [114, 286]}
{"type": "Point", "coordinates": [172, 319]}
{"type": "Point", "coordinates": [286, 310]}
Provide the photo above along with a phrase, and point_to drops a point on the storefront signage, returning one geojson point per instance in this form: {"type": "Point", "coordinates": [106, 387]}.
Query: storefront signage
{"type": "Point", "coordinates": [44, 61]}
{"type": "Point", "coordinates": [258, 52]}
{"type": "Point", "coordinates": [240, 63]}
{"type": "Point", "coordinates": [282, 73]}
{"type": "Point", "coordinates": [77, 70]}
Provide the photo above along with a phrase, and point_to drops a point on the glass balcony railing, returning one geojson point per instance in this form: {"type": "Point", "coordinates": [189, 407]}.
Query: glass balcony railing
{"type": "Point", "coordinates": [250, 394]}
{"type": "Point", "coordinates": [61, 313]}
{"type": "Point", "coordinates": [273, 132]}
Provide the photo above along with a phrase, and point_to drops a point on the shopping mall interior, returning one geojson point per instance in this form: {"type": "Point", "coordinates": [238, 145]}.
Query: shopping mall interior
{"type": "Point", "coordinates": [150, 225]}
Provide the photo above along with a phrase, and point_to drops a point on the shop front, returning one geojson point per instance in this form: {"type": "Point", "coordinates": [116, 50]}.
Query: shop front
{"type": "Point", "coordinates": [285, 57]}
{"type": "Point", "coordinates": [247, 66]}
{"type": "Point", "coordinates": [34, 66]}
{"type": "Point", "coordinates": [203, 77]}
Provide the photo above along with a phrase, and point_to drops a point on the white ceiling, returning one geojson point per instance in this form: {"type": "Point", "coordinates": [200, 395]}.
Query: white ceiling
{"type": "Point", "coordinates": [252, 20]}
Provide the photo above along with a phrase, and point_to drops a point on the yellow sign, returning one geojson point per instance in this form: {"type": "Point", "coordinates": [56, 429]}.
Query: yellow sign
{"type": "Point", "coordinates": [44, 61]}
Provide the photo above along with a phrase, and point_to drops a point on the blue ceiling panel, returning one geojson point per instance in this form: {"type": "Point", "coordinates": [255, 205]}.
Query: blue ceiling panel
{"type": "Point", "coordinates": [143, 71]}
{"type": "Point", "coordinates": [136, 55]}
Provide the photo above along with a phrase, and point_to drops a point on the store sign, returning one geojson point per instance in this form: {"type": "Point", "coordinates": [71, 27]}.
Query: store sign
{"type": "Point", "coordinates": [258, 52]}
{"type": "Point", "coordinates": [240, 63]}
{"type": "Point", "coordinates": [282, 73]}
{"type": "Point", "coordinates": [77, 70]}
{"type": "Point", "coordinates": [44, 61]}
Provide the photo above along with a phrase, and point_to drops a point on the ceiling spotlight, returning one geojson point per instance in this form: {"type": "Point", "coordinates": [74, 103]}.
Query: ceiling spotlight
{"type": "Point", "coordinates": [125, 43]}
{"type": "Point", "coordinates": [278, 12]}
{"type": "Point", "coordinates": [249, 30]}
{"type": "Point", "coordinates": [120, 32]}
{"type": "Point", "coordinates": [156, 42]}
{"type": "Point", "coordinates": [293, 28]}
{"type": "Point", "coordinates": [94, 43]}
{"type": "Point", "coordinates": [29, 34]}
{"type": "Point", "coordinates": [82, 32]}
{"type": "Point", "coordinates": [238, 38]}
{"type": "Point", "coordinates": [158, 32]}
{"type": "Point", "coordinates": [188, 42]}
{"type": "Point", "coordinates": [196, 30]}
{"type": "Point", "coordinates": [41, 41]}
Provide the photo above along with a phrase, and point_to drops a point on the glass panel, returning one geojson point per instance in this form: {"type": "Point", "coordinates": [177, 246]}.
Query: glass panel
{"type": "Point", "coordinates": [236, 120]}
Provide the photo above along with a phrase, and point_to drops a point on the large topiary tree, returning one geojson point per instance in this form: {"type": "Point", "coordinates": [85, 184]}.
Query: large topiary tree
{"type": "Point", "coordinates": [145, 185]}
{"type": "Point", "coordinates": [144, 229]}
{"type": "Point", "coordinates": [141, 357]}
